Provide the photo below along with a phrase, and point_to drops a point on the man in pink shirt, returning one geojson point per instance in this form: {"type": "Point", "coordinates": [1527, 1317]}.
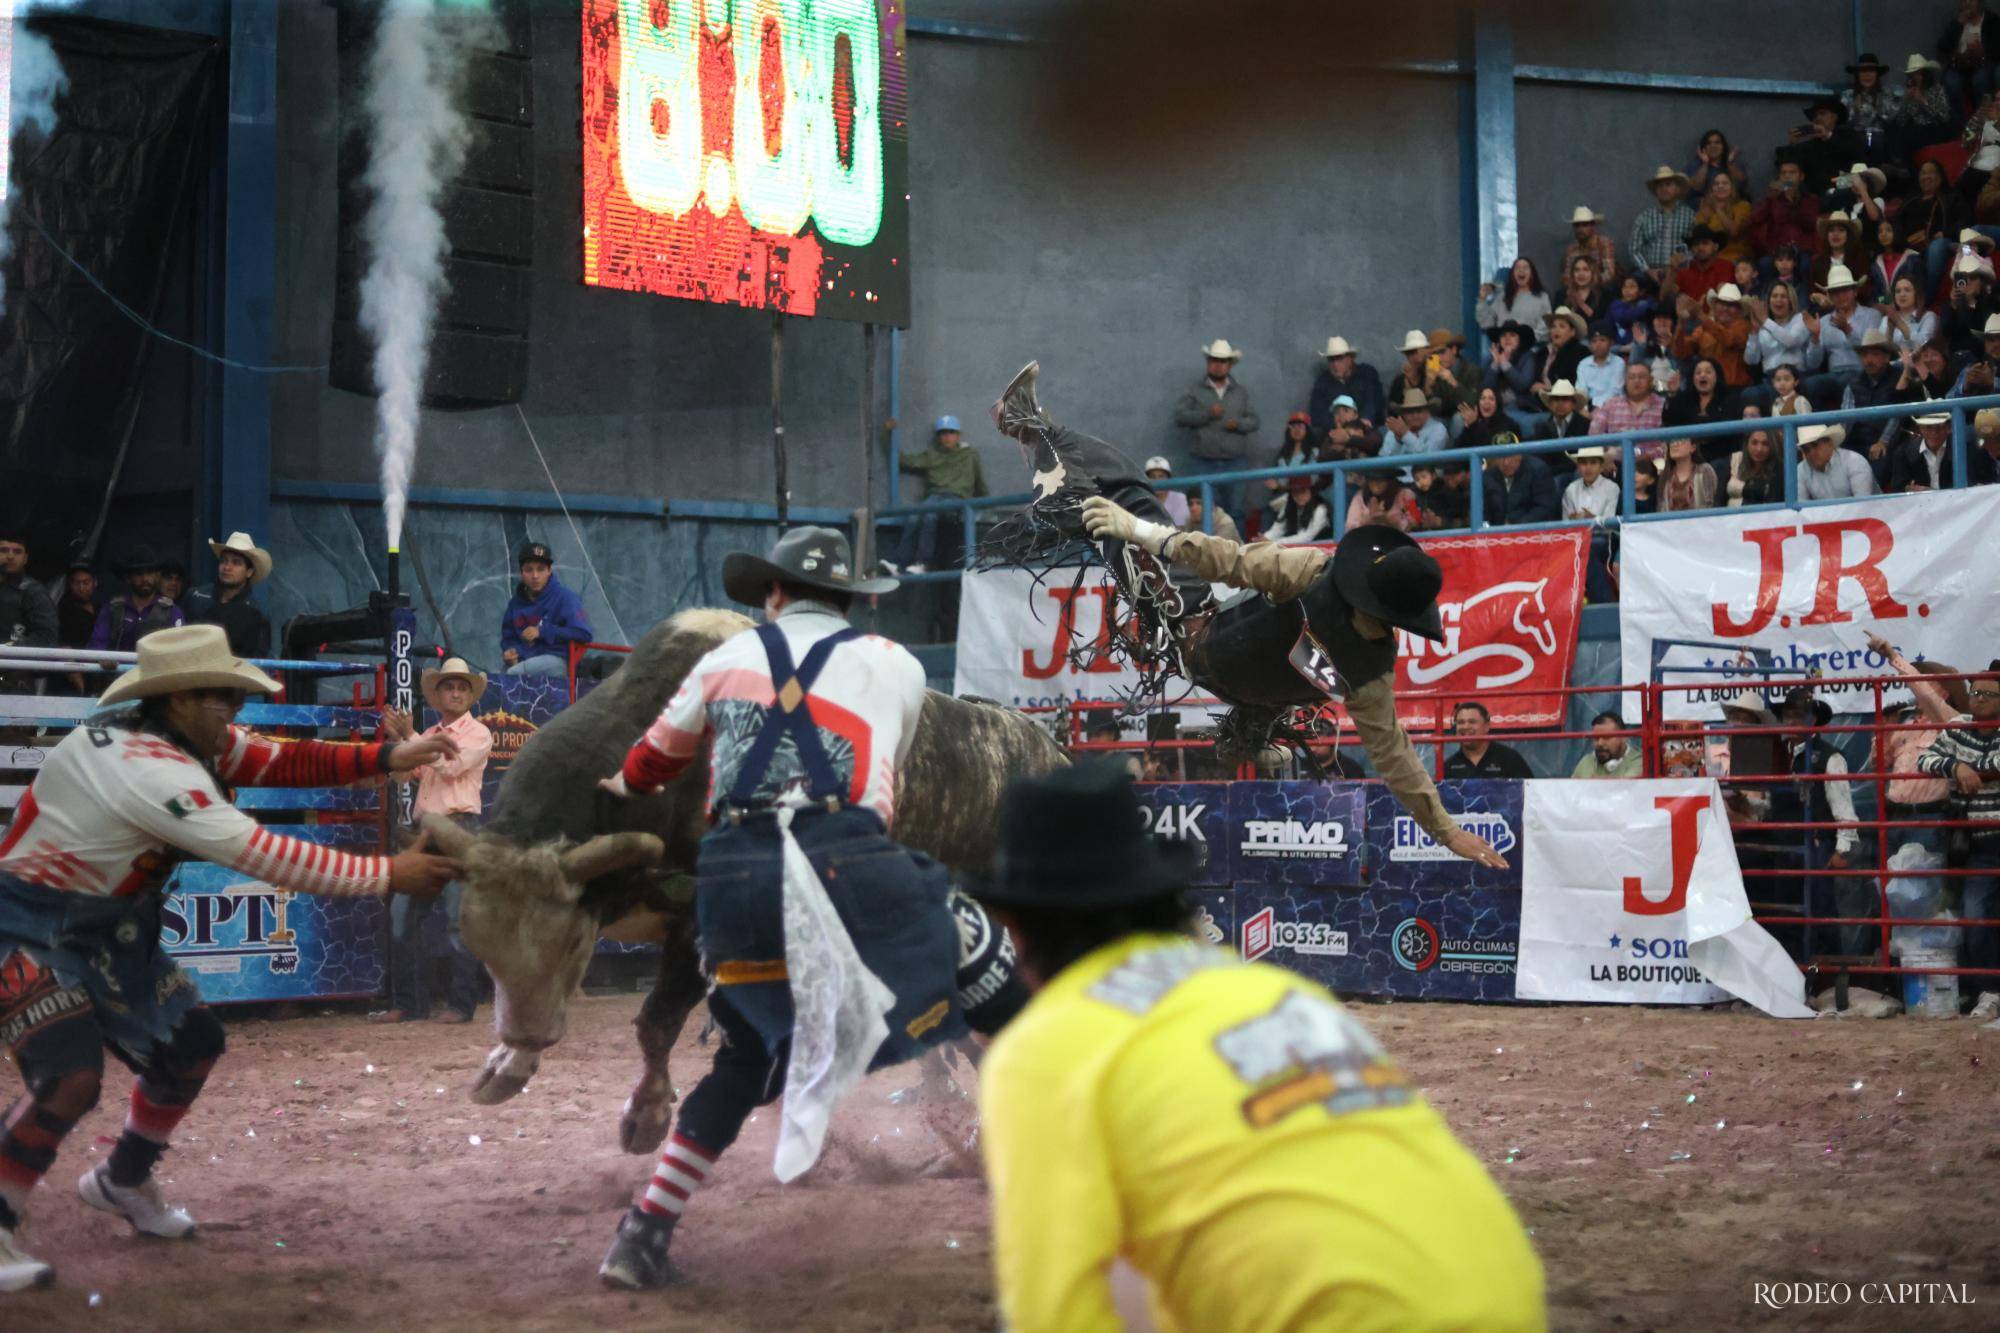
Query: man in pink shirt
{"type": "Point", "coordinates": [1638, 408]}
{"type": "Point", "coordinates": [451, 787]}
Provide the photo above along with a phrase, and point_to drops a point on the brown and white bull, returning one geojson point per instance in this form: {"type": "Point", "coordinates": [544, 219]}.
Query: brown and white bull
{"type": "Point", "coordinates": [558, 863]}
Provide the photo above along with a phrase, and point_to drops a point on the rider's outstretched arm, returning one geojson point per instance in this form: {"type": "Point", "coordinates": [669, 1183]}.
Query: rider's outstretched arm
{"type": "Point", "coordinates": [1279, 572]}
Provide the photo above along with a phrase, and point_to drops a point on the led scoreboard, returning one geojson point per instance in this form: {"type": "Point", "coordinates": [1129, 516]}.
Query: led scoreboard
{"type": "Point", "coordinates": [749, 153]}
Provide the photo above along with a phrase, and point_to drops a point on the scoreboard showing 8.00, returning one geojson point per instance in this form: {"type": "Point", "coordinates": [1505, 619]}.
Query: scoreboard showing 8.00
{"type": "Point", "coordinates": [749, 153]}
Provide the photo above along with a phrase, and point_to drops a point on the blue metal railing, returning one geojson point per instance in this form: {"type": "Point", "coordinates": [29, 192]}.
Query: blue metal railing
{"type": "Point", "coordinates": [1625, 443]}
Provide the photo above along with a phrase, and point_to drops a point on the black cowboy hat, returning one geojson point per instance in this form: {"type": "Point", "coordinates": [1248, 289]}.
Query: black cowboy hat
{"type": "Point", "coordinates": [1077, 838]}
{"type": "Point", "coordinates": [815, 557]}
{"type": "Point", "coordinates": [1525, 332]}
{"type": "Point", "coordinates": [1827, 103]}
{"type": "Point", "coordinates": [140, 560]}
{"type": "Point", "coordinates": [1799, 698]}
{"type": "Point", "coordinates": [1385, 573]}
{"type": "Point", "coordinates": [1867, 60]}
{"type": "Point", "coordinates": [1704, 232]}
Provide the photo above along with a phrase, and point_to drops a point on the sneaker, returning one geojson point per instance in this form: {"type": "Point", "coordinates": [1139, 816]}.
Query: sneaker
{"type": "Point", "coordinates": [141, 1205]}
{"type": "Point", "coordinates": [20, 1270]}
{"type": "Point", "coordinates": [1987, 1008]}
{"type": "Point", "coordinates": [888, 567]}
{"type": "Point", "coordinates": [638, 1259]}
{"type": "Point", "coordinates": [917, 567]}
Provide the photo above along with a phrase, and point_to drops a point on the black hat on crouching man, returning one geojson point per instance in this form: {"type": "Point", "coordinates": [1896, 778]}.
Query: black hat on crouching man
{"type": "Point", "coordinates": [1076, 839]}
{"type": "Point", "coordinates": [811, 557]}
{"type": "Point", "coordinates": [1387, 575]}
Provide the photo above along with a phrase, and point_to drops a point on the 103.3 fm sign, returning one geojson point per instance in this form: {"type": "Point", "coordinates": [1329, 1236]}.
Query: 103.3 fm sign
{"type": "Point", "coordinates": [748, 152]}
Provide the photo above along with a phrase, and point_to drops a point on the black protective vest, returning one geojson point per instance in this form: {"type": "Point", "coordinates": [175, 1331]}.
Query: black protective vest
{"type": "Point", "coordinates": [1304, 651]}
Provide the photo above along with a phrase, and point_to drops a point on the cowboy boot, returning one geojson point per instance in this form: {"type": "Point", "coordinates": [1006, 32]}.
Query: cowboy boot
{"type": "Point", "coordinates": [638, 1258]}
{"type": "Point", "coordinates": [1016, 413]}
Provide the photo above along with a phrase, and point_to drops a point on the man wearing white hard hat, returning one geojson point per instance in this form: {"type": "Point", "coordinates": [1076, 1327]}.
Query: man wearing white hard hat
{"type": "Point", "coordinates": [1159, 469]}
{"type": "Point", "coordinates": [1345, 375]}
{"type": "Point", "coordinates": [1219, 421]}
{"type": "Point", "coordinates": [451, 787]}
{"type": "Point", "coordinates": [122, 800]}
{"type": "Point", "coordinates": [951, 471]}
{"type": "Point", "coordinates": [240, 565]}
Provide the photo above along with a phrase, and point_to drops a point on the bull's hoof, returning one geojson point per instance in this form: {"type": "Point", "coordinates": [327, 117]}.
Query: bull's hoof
{"type": "Point", "coordinates": [492, 1089]}
{"type": "Point", "coordinates": [643, 1127]}
{"type": "Point", "coordinates": [507, 1071]}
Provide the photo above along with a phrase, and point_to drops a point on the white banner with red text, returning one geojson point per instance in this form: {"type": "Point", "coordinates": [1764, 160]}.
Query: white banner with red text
{"type": "Point", "coordinates": [1510, 606]}
{"type": "Point", "coordinates": [1631, 894]}
{"type": "Point", "coordinates": [1724, 603]}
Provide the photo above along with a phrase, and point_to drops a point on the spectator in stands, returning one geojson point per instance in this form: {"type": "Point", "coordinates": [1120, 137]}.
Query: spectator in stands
{"type": "Point", "coordinates": [1785, 399]}
{"type": "Point", "coordinates": [1521, 300]}
{"type": "Point", "coordinates": [1634, 307]}
{"type": "Point", "coordinates": [1982, 463]}
{"type": "Point", "coordinates": [543, 618]}
{"type": "Point", "coordinates": [27, 616]}
{"type": "Point", "coordinates": [1705, 399]}
{"type": "Point", "coordinates": [1176, 502]}
{"type": "Point", "coordinates": [1909, 324]}
{"type": "Point", "coordinates": [1476, 756]}
{"type": "Point", "coordinates": [1600, 375]}
{"type": "Point", "coordinates": [1217, 415]}
{"type": "Point", "coordinates": [1452, 382]}
{"type": "Point", "coordinates": [1583, 291]}
{"type": "Point", "coordinates": [1788, 215]}
{"type": "Point", "coordinates": [1587, 240]}
{"type": "Point", "coordinates": [1300, 515]}
{"type": "Point", "coordinates": [1716, 331]}
{"type": "Point", "coordinates": [1349, 436]}
{"type": "Point", "coordinates": [1519, 489]}
{"type": "Point", "coordinates": [1660, 355]}
{"type": "Point", "coordinates": [1937, 702]}
{"type": "Point", "coordinates": [1893, 257]}
{"type": "Point", "coordinates": [1592, 495]}
{"type": "Point", "coordinates": [1638, 408]}
{"type": "Point", "coordinates": [1489, 422]}
{"type": "Point", "coordinates": [1382, 498]}
{"type": "Point", "coordinates": [1564, 421]}
{"type": "Point", "coordinates": [951, 471]}
{"type": "Point", "coordinates": [1510, 368]}
{"type": "Point", "coordinates": [1411, 429]}
{"type": "Point", "coordinates": [1705, 269]}
{"type": "Point", "coordinates": [1923, 463]}
{"type": "Point", "coordinates": [1820, 802]}
{"type": "Point", "coordinates": [1829, 472]}
{"type": "Point", "coordinates": [1345, 376]}
{"type": "Point", "coordinates": [1926, 372]}
{"type": "Point", "coordinates": [1749, 279]}
{"type": "Point", "coordinates": [1972, 304]}
{"type": "Point", "coordinates": [1923, 114]}
{"type": "Point", "coordinates": [1659, 234]}
{"type": "Point", "coordinates": [1857, 192]}
{"type": "Point", "coordinates": [1840, 246]}
{"type": "Point", "coordinates": [1970, 45]}
{"type": "Point", "coordinates": [1448, 503]}
{"type": "Point", "coordinates": [1294, 447]}
{"type": "Point", "coordinates": [451, 789]}
{"type": "Point", "coordinates": [1688, 482]}
{"type": "Point", "coordinates": [1932, 219]}
{"type": "Point", "coordinates": [1838, 331]}
{"type": "Point", "coordinates": [1782, 337]}
{"type": "Point", "coordinates": [1977, 377]}
{"type": "Point", "coordinates": [240, 564]}
{"type": "Point", "coordinates": [1715, 160]}
{"type": "Point", "coordinates": [1970, 759]}
{"type": "Point", "coordinates": [76, 613]}
{"type": "Point", "coordinates": [1225, 526]}
{"type": "Point", "coordinates": [1754, 476]}
{"type": "Point", "coordinates": [1414, 373]}
{"type": "Point", "coordinates": [1875, 386]}
{"type": "Point", "coordinates": [1726, 213]}
{"type": "Point", "coordinates": [1565, 352]}
{"type": "Point", "coordinates": [174, 583]}
{"type": "Point", "coordinates": [1610, 756]}
{"type": "Point", "coordinates": [137, 611]}
{"type": "Point", "coordinates": [1824, 145]}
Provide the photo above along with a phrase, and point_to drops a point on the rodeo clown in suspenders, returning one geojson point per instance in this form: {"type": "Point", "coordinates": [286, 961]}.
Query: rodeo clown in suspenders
{"type": "Point", "coordinates": [124, 798]}
{"type": "Point", "coordinates": [833, 950]}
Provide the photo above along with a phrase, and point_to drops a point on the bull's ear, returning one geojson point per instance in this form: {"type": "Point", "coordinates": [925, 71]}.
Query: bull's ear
{"type": "Point", "coordinates": [608, 852]}
{"type": "Point", "coordinates": [447, 837]}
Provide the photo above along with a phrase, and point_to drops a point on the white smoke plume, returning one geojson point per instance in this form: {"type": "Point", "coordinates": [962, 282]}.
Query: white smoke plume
{"type": "Point", "coordinates": [413, 105]}
{"type": "Point", "coordinates": [31, 77]}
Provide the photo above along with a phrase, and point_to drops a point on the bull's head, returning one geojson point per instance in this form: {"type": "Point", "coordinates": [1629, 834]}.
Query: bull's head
{"type": "Point", "coordinates": [520, 916]}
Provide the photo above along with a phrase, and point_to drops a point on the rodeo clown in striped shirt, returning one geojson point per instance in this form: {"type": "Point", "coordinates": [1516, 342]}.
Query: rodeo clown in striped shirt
{"type": "Point", "coordinates": [122, 799]}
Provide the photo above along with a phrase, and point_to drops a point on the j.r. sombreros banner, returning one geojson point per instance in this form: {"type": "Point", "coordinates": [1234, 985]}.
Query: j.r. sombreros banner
{"type": "Point", "coordinates": [1510, 604]}
{"type": "Point", "coordinates": [1631, 894]}
{"type": "Point", "coordinates": [1725, 602]}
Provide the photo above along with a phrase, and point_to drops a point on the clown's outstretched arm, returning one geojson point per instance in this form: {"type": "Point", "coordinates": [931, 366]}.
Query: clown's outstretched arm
{"type": "Point", "coordinates": [1279, 572]}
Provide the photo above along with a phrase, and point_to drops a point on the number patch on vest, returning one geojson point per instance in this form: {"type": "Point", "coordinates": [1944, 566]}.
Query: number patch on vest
{"type": "Point", "coordinates": [1310, 660]}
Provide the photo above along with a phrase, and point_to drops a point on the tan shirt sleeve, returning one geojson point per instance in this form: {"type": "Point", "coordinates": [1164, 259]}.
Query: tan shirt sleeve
{"type": "Point", "coordinates": [1373, 708]}
{"type": "Point", "coordinates": [1279, 572]}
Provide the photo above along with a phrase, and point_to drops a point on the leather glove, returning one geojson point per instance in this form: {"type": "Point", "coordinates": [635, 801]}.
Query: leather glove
{"type": "Point", "coordinates": [1104, 518]}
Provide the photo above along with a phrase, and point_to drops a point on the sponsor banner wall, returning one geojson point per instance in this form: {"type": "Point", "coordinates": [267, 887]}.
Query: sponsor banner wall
{"type": "Point", "coordinates": [1744, 596]}
{"type": "Point", "coordinates": [1436, 945]}
{"type": "Point", "coordinates": [1631, 893]}
{"type": "Point", "coordinates": [1402, 856]}
{"type": "Point", "coordinates": [1510, 605]}
{"type": "Point", "coordinates": [1195, 813]}
{"type": "Point", "coordinates": [1303, 833]}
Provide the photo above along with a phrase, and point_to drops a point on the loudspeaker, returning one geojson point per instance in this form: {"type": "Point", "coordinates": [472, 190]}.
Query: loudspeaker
{"type": "Point", "coordinates": [479, 344]}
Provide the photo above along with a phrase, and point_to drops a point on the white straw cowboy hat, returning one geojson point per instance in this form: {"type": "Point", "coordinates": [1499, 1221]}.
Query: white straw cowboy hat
{"type": "Point", "coordinates": [1978, 240]}
{"type": "Point", "coordinates": [1413, 400]}
{"type": "Point", "coordinates": [1728, 293]}
{"type": "Point", "coordinates": [1921, 64]}
{"type": "Point", "coordinates": [1220, 350]}
{"type": "Point", "coordinates": [1571, 318]}
{"type": "Point", "coordinates": [1932, 419]}
{"type": "Point", "coordinates": [1337, 347]}
{"type": "Point", "coordinates": [1878, 337]}
{"type": "Point", "coordinates": [1814, 434]}
{"type": "Point", "coordinates": [1991, 327]}
{"type": "Point", "coordinates": [1415, 341]}
{"type": "Point", "coordinates": [1666, 173]}
{"type": "Point", "coordinates": [1595, 451]}
{"type": "Point", "coordinates": [1584, 213]}
{"type": "Point", "coordinates": [1840, 278]}
{"type": "Point", "coordinates": [239, 543]}
{"type": "Point", "coordinates": [186, 657]}
{"type": "Point", "coordinates": [1560, 389]}
{"type": "Point", "coordinates": [454, 668]}
{"type": "Point", "coordinates": [1875, 176]}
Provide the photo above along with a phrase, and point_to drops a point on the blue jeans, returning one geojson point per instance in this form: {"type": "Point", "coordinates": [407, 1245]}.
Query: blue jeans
{"type": "Point", "coordinates": [1981, 898]}
{"type": "Point", "coordinates": [409, 956]}
{"type": "Point", "coordinates": [547, 664]}
{"type": "Point", "coordinates": [935, 541]}
{"type": "Point", "coordinates": [1228, 496]}
{"type": "Point", "coordinates": [1968, 86]}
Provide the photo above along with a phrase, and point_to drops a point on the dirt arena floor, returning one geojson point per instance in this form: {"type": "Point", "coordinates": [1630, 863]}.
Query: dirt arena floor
{"type": "Point", "coordinates": [1666, 1161]}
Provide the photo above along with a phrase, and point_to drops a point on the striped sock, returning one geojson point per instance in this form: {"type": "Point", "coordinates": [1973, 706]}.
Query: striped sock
{"type": "Point", "coordinates": [149, 1127]}
{"type": "Point", "coordinates": [683, 1169]}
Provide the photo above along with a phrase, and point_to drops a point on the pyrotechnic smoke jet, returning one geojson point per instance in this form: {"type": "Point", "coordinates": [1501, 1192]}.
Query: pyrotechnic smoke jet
{"type": "Point", "coordinates": [30, 78]}
{"type": "Point", "coordinates": [414, 106]}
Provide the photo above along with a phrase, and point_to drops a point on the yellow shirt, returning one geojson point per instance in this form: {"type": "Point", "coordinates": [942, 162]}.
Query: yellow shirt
{"type": "Point", "coordinates": [1232, 1133]}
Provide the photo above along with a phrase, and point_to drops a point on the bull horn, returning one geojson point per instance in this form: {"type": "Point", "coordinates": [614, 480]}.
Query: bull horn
{"type": "Point", "coordinates": [608, 852]}
{"type": "Point", "coordinates": [447, 837]}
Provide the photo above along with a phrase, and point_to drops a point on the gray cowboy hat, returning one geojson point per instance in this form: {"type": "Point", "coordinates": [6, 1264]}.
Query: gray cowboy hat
{"type": "Point", "coordinates": [814, 557]}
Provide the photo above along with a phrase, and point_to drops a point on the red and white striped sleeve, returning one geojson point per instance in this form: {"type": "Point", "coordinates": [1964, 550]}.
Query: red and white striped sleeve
{"type": "Point", "coordinates": [250, 760]}
{"type": "Point", "coordinates": [674, 739]}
